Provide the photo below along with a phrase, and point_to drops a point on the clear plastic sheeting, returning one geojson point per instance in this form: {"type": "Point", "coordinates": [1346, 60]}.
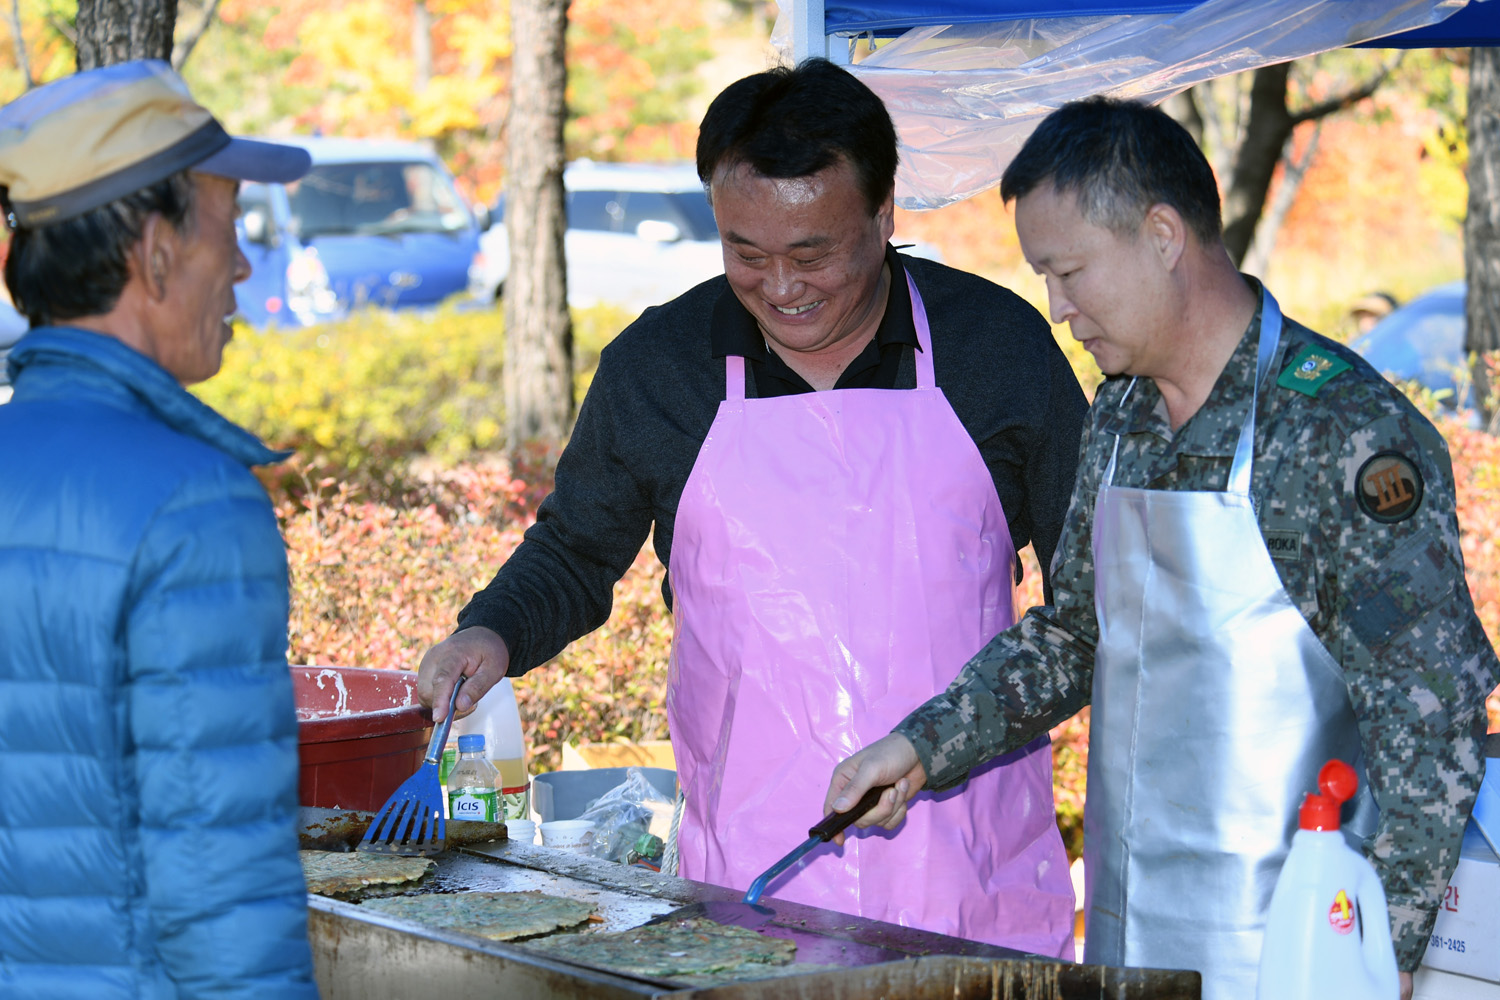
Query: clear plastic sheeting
{"type": "Point", "coordinates": [965, 97]}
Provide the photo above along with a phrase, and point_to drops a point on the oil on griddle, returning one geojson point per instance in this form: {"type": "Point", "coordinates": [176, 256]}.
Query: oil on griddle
{"type": "Point", "coordinates": [344, 876]}
{"type": "Point", "coordinates": [679, 948]}
{"type": "Point", "coordinates": [499, 916]}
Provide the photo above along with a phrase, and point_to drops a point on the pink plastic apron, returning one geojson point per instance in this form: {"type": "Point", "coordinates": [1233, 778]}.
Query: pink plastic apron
{"type": "Point", "coordinates": [838, 556]}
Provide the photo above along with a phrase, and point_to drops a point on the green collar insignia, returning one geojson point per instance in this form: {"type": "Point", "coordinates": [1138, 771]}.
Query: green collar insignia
{"type": "Point", "coordinates": [1310, 370]}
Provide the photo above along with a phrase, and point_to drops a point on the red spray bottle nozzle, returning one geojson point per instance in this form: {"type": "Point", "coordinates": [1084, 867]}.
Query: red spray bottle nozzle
{"type": "Point", "coordinates": [1338, 783]}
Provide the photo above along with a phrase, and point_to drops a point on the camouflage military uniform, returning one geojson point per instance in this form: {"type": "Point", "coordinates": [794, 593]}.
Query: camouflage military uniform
{"type": "Point", "coordinates": [1380, 582]}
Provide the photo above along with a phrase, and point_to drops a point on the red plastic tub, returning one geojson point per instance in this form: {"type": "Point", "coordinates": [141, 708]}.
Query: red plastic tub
{"type": "Point", "coordinates": [361, 732]}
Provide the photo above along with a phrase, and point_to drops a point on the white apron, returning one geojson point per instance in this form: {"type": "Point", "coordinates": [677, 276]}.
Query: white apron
{"type": "Point", "coordinates": [1214, 706]}
{"type": "Point", "coordinates": [838, 556]}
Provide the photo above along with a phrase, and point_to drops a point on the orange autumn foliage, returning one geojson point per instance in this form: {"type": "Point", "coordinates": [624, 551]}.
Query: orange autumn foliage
{"type": "Point", "coordinates": [630, 71]}
{"type": "Point", "coordinates": [1360, 205]}
{"type": "Point", "coordinates": [1476, 473]}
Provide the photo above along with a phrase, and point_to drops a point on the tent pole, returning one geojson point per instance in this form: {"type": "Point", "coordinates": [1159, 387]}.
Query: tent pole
{"type": "Point", "coordinates": [808, 38]}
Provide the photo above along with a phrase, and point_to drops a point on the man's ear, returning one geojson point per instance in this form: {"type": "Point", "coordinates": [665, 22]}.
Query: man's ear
{"type": "Point", "coordinates": [887, 216]}
{"type": "Point", "coordinates": [1167, 233]}
{"type": "Point", "coordinates": [154, 254]}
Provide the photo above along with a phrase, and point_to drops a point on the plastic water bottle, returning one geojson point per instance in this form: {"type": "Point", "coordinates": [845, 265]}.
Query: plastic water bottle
{"type": "Point", "coordinates": [445, 768]}
{"type": "Point", "coordinates": [498, 719]}
{"type": "Point", "coordinates": [472, 783]}
{"type": "Point", "coordinates": [1327, 932]}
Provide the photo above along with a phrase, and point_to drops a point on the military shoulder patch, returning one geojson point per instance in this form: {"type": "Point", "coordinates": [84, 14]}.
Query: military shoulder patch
{"type": "Point", "coordinates": [1389, 487]}
{"type": "Point", "coordinates": [1311, 369]}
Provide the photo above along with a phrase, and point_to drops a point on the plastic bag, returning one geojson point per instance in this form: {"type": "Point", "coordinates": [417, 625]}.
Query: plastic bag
{"type": "Point", "coordinates": [626, 813]}
{"type": "Point", "coordinates": [964, 97]}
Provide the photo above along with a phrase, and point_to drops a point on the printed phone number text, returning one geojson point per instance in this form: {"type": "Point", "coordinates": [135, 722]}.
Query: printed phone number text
{"type": "Point", "coordinates": [1448, 944]}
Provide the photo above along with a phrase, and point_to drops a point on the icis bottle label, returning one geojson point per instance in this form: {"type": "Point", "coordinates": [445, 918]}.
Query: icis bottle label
{"type": "Point", "coordinates": [474, 804]}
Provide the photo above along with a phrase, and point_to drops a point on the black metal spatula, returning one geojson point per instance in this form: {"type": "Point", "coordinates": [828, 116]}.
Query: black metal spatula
{"type": "Point", "coordinates": [411, 822]}
{"type": "Point", "coordinates": [748, 912]}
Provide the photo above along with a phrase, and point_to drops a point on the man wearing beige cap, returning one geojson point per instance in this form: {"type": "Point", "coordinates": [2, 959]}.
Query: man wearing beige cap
{"type": "Point", "coordinates": [148, 741]}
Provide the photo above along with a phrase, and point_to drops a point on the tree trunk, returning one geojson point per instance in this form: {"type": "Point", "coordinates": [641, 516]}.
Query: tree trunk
{"type": "Point", "coordinates": [538, 329]}
{"type": "Point", "coordinates": [23, 62]}
{"type": "Point", "coordinates": [113, 31]}
{"type": "Point", "coordinates": [1294, 168]}
{"type": "Point", "coordinates": [1211, 113]}
{"type": "Point", "coordinates": [1267, 128]}
{"type": "Point", "coordinates": [1184, 109]}
{"type": "Point", "coordinates": [421, 44]}
{"type": "Point", "coordinates": [184, 48]}
{"type": "Point", "coordinates": [1482, 226]}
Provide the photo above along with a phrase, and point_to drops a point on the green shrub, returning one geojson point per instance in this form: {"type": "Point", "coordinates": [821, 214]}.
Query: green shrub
{"type": "Point", "coordinates": [374, 389]}
{"type": "Point", "coordinates": [370, 393]}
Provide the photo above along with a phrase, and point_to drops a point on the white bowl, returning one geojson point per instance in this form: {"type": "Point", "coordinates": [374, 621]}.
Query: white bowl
{"type": "Point", "coordinates": [568, 834]}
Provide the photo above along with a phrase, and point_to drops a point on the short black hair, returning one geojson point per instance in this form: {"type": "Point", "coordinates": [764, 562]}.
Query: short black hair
{"type": "Point", "coordinates": [1119, 158]}
{"type": "Point", "coordinates": [78, 267]}
{"type": "Point", "coordinates": [793, 122]}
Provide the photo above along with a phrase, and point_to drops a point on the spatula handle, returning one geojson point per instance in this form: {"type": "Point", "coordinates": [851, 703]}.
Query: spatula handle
{"type": "Point", "coordinates": [440, 734]}
{"type": "Point", "coordinates": [837, 822]}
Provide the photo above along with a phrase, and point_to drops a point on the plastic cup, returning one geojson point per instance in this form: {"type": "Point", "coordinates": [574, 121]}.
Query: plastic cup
{"type": "Point", "coordinates": [574, 835]}
{"type": "Point", "coordinates": [521, 830]}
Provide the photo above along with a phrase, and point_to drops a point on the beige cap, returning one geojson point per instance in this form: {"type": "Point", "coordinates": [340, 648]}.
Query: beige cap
{"type": "Point", "coordinates": [88, 139]}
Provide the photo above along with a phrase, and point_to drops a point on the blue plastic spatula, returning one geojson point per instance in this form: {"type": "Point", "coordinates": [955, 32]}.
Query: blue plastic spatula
{"type": "Point", "coordinates": [747, 912]}
{"type": "Point", "coordinates": [411, 821]}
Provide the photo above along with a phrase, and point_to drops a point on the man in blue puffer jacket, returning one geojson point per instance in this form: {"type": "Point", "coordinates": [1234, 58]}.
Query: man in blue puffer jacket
{"type": "Point", "coordinates": [148, 739]}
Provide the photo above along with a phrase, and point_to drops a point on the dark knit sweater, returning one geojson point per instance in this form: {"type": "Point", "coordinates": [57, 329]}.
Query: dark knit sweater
{"type": "Point", "coordinates": [656, 392]}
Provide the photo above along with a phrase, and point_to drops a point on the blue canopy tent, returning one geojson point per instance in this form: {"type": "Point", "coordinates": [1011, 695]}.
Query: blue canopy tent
{"type": "Point", "coordinates": [967, 80]}
{"type": "Point", "coordinates": [1475, 24]}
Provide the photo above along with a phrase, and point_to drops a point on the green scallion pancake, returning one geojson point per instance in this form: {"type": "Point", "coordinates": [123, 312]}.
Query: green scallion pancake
{"type": "Point", "coordinates": [329, 873]}
{"type": "Point", "coordinates": [499, 916]}
{"type": "Point", "coordinates": [679, 948]}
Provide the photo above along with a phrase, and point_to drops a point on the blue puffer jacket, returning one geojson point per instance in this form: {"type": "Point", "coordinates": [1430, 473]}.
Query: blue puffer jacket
{"type": "Point", "coordinates": [148, 739]}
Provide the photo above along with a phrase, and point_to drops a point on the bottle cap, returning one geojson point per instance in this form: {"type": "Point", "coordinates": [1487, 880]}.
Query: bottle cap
{"type": "Point", "coordinates": [471, 743]}
{"type": "Point", "coordinates": [1338, 783]}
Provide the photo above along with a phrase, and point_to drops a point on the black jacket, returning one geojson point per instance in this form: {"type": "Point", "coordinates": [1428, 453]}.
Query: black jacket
{"type": "Point", "coordinates": [655, 394]}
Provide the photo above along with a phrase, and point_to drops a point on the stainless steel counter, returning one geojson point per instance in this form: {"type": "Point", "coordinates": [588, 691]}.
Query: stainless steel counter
{"type": "Point", "coordinates": [364, 955]}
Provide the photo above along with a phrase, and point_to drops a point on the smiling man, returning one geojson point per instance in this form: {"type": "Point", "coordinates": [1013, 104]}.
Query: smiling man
{"type": "Point", "coordinates": [837, 450]}
{"type": "Point", "coordinates": [148, 739]}
{"type": "Point", "coordinates": [1259, 571]}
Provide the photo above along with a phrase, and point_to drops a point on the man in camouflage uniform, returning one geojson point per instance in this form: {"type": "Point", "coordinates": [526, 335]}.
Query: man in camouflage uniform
{"type": "Point", "coordinates": [1218, 685]}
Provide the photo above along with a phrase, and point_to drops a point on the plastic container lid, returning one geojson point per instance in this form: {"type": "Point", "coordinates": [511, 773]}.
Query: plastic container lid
{"type": "Point", "coordinates": [1321, 812]}
{"type": "Point", "coordinates": [471, 743]}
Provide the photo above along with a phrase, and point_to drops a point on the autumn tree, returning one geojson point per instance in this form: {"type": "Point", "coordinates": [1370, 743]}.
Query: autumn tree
{"type": "Point", "coordinates": [629, 78]}
{"type": "Point", "coordinates": [1245, 124]}
{"type": "Point", "coordinates": [100, 33]}
{"type": "Point", "coordinates": [113, 31]}
{"type": "Point", "coordinates": [18, 41]}
{"type": "Point", "coordinates": [1482, 225]}
{"type": "Point", "coordinates": [538, 328]}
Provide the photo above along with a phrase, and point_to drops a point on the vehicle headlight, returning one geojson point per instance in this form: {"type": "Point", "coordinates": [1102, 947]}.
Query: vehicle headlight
{"type": "Point", "coordinates": [477, 268]}
{"type": "Point", "coordinates": [309, 294]}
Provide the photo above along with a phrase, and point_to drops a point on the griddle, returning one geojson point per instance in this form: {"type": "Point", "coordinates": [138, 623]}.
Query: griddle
{"type": "Point", "coordinates": [360, 953]}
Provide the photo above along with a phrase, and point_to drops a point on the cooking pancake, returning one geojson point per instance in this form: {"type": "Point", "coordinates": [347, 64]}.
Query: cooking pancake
{"type": "Point", "coordinates": [332, 874]}
{"type": "Point", "coordinates": [499, 916]}
{"type": "Point", "coordinates": [682, 947]}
